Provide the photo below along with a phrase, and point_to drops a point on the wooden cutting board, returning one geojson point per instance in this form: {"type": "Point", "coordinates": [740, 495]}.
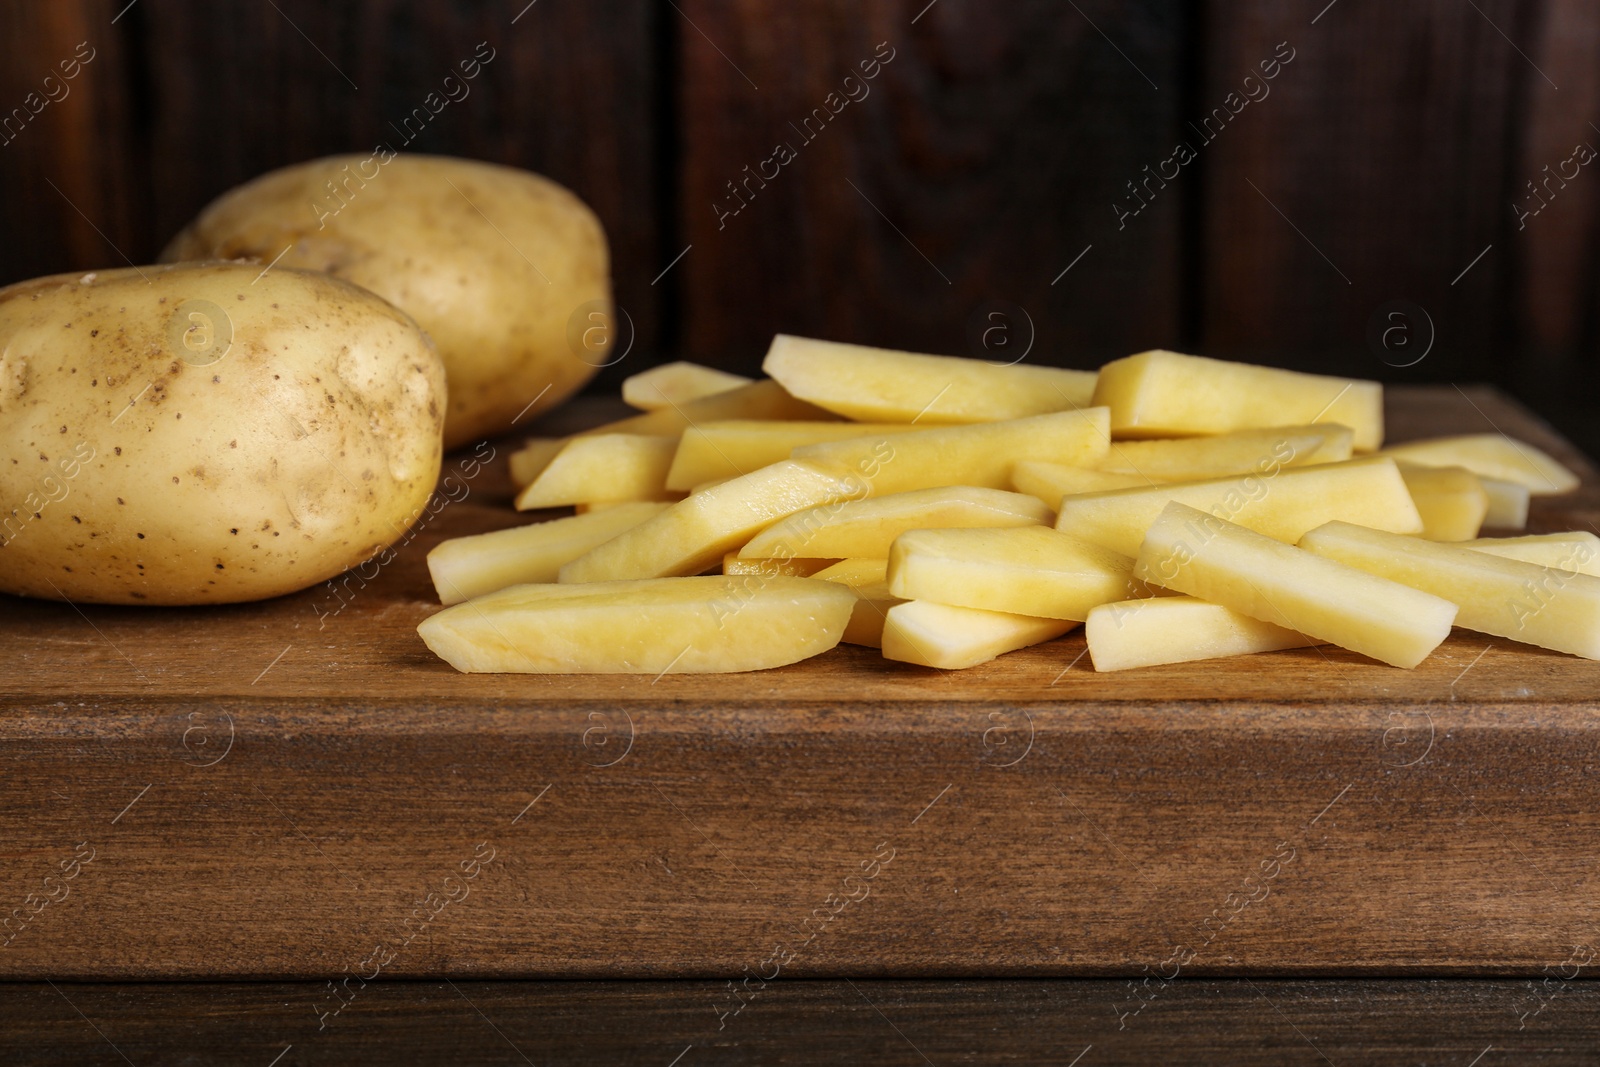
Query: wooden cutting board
{"type": "Point", "coordinates": [299, 788]}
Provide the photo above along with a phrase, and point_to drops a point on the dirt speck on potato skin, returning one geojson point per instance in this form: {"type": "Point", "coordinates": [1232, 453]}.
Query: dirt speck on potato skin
{"type": "Point", "coordinates": [170, 459]}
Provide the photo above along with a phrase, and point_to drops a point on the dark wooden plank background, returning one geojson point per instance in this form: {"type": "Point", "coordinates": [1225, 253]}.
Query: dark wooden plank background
{"type": "Point", "coordinates": [1244, 1022]}
{"type": "Point", "coordinates": [1383, 164]}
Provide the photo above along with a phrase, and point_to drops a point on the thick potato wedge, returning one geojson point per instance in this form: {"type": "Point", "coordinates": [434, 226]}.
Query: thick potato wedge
{"type": "Point", "coordinates": [866, 528]}
{"type": "Point", "coordinates": [1451, 501]}
{"type": "Point", "coordinates": [1239, 452]}
{"type": "Point", "coordinates": [1283, 504]}
{"type": "Point", "coordinates": [1508, 504]}
{"type": "Point", "coordinates": [952, 639]}
{"type": "Point", "coordinates": [695, 533]}
{"type": "Point", "coordinates": [704, 625]}
{"type": "Point", "coordinates": [1492, 455]}
{"type": "Point", "coordinates": [603, 467]}
{"type": "Point", "coordinates": [717, 451]}
{"type": "Point", "coordinates": [1177, 629]}
{"type": "Point", "coordinates": [1167, 394]}
{"type": "Point", "coordinates": [793, 567]}
{"type": "Point", "coordinates": [981, 455]}
{"type": "Point", "coordinates": [867, 578]}
{"type": "Point", "coordinates": [1192, 552]}
{"type": "Point", "coordinates": [534, 456]}
{"type": "Point", "coordinates": [465, 567]}
{"type": "Point", "coordinates": [1525, 602]}
{"type": "Point", "coordinates": [758, 400]}
{"type": "Point", "coordinates": [1052, 481]}
{"type": "Point", "coordinates": [881, 385]}
{"type": "Point", "coordinates": [676, 383]}
{"type": "Point", "coordinates": [1027, 570]}
{"type": "Point", "coordinates": [1575, 550]}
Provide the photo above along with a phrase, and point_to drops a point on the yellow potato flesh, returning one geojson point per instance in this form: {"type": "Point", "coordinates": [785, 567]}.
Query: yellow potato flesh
{"type": "Point", "coordinates": [1199, 554]}
{"type": "Point", "coordinates": [1281, 503]}
{"type": "Point", "coordinates": [716, 451]}
{"type": "Point", "coordinates": [867, 578]}
{"type": "Point", "coordinates": [1031, 570]}
{"type": "Point", "coordinates": [694, 534]}
{"type": "Point", "coordinates": [792, 567]}
{"type": "Point", "coordinates": [881, 385]}
{"type": "Point", "coordinates": [1451, 501]}
{"type": "Point", "coordinates": [952, 638]}
{"type": "Point", "coordinates": [1492, 455]}
{"type": "Point", "coordinates": [1575, 550]}
{"type": "Point", "coordinates": [676, 383]}
{"type": "Point", "coordinates": [703, 625]}
{"type": "Point", "coordinates": [1508, 504]}
{"type": "Point", "coordinates": [1177, 629]}
{"type": "Point", "coordinates": [758, 400]}
{"type": "Point", "coordinates": [866, 528]}
{"type": "Point", "coordinates": [534, 456]}
{"type": "Point", "coordinates": [980, 455]}
{"type": "Point", "coordinates": [1239, 452]}
{"type": "Point", "coordinates": [1051, 481]}
{"type": "Point", "coordinates": [1167, 394]}
{"type": "Point", "coordinates": [1525, 602]}
{"type": "Point", "coordinates": [608, 467]}
{"type": "Point", "coordinates": [465, 567]}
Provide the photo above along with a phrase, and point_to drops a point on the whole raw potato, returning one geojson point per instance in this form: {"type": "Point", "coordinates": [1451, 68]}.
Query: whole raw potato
{"type": "Point", "coordinates": [206, 433]}
{"type": "Point", "coordinates": [506, 270]}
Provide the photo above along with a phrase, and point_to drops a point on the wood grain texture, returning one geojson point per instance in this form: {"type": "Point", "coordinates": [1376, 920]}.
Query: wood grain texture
{"type": "Point", "coordinates": [1252, 1023]}
{"type": "Point", "coordinates": [287, 788]}
{"type": "Point", "coordinates": [977, 164]}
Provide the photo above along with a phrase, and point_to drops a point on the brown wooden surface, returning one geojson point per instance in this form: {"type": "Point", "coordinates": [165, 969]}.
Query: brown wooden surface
{"type": "Point", "coordinates": [981, 161]}
{"type": "Point", "coordinates": [274, 789]}
{"type": "Point", "coordinates": [996, 143]}
{"type": "Point", "coordinates": [1383, 1023]}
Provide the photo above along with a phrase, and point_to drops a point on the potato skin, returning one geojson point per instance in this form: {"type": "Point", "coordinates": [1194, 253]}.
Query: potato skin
{"type": "Point", "coordinates": [138, 467]}
{"type": "Point", "coordinates": [492, 261]}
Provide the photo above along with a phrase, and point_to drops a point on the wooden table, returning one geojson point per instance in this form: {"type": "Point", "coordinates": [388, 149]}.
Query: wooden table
{"type": "Point", "coordinates": [1259, 1022]}
{"type": "Point", "coordinates": [299, 789]}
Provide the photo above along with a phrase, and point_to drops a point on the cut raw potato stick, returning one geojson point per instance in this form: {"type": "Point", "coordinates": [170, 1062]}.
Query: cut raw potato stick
{"type": "Point", "coordinates": [880, 385]}
{"type": "Point", "coordinates": [1177, 629]}
{"type": "Point", "coordinates": [1525, 602]}
{"type": "Point", "coordinates": [980, 455]}
{"type": "Point", "coordinates": [758, 400]}
{"type": "Point", "coordinates": [676, 383]}
{"type": "Point", "coordinates": [704, 625]}
{"type": "Point", "coordinates": [1508, 504]}
{"type": "Point", "coordinates": [694, 534]}
{"type": "Point", "coordinates": [951, 638]}
{"type": "Point", "coordinates": [792, 567]}
{"type": "Point", "coordinates": [1492, 455]}
{"type": "Point", "coordinates": [1031, 570]}
{"type": "Point", "coordinates": [1283, 505]}
{"type": "Point", "coordinates": [1451, 501]}
{"type": "Point", "coordinates": [534, 456]}
{"type": "Point", "coordinates": [866, 528]}
{"type": "Point", "coordinates": [716, 451]}
{"type": "Point", "coordinates": [1239, 452]}
{"type": "Point", "coordinates": [866, 578]}
{"type": "Point", "coordinates": [1051, 481]}
{"type": "Point", "coordinates": [1167, 394]}
{"type": "Point", "coordinates": [604, 467]}
{"type": "Point", "coordinates": [1576, 550]}
{"type": "Point", "coordinates": [1224, 563]}
{"type": "Point", "coordinates": [465, 567]}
